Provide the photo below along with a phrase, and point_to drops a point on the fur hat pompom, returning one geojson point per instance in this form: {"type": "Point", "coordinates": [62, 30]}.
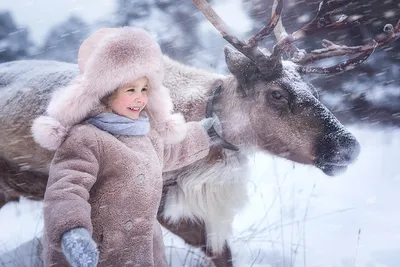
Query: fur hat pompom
{"type": "Point", "coordinates": [48, 132]}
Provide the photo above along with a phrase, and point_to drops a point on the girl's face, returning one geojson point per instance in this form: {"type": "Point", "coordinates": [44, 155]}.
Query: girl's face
{"type": "Point", "coordinates": [130, 99]}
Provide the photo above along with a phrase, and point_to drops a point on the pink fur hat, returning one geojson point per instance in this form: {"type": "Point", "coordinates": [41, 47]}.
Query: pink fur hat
{"type": "Point", "coordinates": [108, 59]}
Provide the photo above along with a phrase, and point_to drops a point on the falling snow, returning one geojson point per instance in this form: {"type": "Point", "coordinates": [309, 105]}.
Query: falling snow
{"type": "Point", "coordinates": [296, 216]}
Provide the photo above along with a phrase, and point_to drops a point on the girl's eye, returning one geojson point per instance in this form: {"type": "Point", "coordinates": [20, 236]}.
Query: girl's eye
{"type": "Point", "coordinates": [133, 90]}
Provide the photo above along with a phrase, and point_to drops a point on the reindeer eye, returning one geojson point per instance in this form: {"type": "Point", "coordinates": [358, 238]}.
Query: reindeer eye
{"type": "Point", "coordinates": [277, 95]}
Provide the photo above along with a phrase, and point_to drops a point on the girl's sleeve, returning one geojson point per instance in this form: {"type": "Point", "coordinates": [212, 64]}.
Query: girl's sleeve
{"type": "Point", "coordinates": [73, 172]}
{"type": "Point", "coordinates": [195, 146]}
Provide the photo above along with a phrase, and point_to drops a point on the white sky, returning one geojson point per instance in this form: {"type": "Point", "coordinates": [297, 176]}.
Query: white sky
{"type": "Point", "coordinates": [40, 15]}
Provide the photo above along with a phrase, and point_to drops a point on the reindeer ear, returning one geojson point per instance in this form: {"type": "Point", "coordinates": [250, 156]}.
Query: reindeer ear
{"type": "Point", "coordinates": [239, 65]}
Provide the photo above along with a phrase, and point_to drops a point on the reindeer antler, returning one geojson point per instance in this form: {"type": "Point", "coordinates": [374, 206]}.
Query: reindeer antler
{"type": "Point", "coordinates": [266, 63]}
{"type": "Point", "coordinates": [323, 22]}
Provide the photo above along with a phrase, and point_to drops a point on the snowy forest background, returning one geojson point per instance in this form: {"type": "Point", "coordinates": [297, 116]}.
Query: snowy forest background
{"type": "Point", "coordinates": [296, 215]}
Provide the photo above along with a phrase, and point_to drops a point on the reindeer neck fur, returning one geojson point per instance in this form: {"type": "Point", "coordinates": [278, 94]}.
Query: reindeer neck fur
{"type": "Point", "coordinates": [214, 188]}
{"type": "Point", "coordinates": [212, 193]}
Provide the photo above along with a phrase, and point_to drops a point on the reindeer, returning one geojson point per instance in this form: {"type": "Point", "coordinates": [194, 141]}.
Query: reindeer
{"type": "Point", "coordinates": [263, 105]}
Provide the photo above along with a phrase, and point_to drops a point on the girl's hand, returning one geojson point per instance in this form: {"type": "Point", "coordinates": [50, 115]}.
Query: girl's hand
{"type": "Point", "coordinates": [207, 123]}
{"type": "Point", "coordinates": [79, 248]}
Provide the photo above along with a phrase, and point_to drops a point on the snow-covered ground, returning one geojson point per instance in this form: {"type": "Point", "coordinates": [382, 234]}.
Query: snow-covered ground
{"type": "Point", "coordinates": [296, 216]}
{"type": "Point", "coordinates": [351, 220]}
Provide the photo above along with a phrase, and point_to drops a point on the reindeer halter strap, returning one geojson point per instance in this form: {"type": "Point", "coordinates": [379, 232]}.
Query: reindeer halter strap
{"type": "Point", "coordinates": [209, 114]}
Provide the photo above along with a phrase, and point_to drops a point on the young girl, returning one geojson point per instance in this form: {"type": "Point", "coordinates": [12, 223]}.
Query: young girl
{"type": "Point", "coordinates": [114, 135]}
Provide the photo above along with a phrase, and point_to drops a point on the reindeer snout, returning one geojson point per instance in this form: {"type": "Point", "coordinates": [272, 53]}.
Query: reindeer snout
{"type": "Point", "coordinates": [347, 148]}
{"type": "Point", "coordinates": [336, 150]}
{"type": "Point", "coordinates": [339, 148]}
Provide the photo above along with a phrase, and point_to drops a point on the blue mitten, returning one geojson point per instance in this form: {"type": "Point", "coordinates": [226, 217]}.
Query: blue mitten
{"type": "Point", "coordinates": [207, 123]}
{"type": "Point", "coordinates": [79, 248]}
{"type": "Point", "coordinates": [214, 131]}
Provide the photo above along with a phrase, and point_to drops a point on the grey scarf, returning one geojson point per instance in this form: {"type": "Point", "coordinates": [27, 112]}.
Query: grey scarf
{"type": "Point", "coordinates": [116, 124]}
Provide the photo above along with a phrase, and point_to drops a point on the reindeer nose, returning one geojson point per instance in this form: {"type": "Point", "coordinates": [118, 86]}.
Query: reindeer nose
{"type": "Point", "coordinates": [338, 147]}
{"type": "Point", "coordinates": [348, 148]}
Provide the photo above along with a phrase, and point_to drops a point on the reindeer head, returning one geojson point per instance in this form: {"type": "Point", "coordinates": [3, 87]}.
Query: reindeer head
{"type": "Point", "coordinates": [278, 109]}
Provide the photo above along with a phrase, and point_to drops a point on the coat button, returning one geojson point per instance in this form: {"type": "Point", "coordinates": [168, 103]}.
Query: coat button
{"type": "Point", "coordinates": [128, 225]}
{"type": "Point", "coordinates": [140, 179]}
